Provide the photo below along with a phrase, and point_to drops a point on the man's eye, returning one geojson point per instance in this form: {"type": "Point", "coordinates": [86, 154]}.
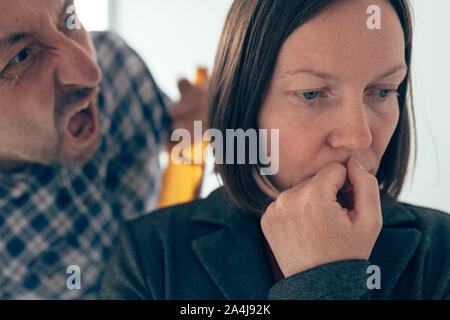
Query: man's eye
{"type": "Point", "coordinates": [20, 57]}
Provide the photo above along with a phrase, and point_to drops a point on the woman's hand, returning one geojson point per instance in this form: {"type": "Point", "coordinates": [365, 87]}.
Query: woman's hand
{"type": "Point", "coordinates": [307, 227]}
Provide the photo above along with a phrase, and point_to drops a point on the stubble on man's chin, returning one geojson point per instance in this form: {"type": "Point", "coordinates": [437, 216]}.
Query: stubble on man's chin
{"type": "Point", "coordinates": [47, 150]}
{"type": "Point", "coordinates": [20, 159]}
{"type": "Point", "coordinates": [82, 159]}
{"type": "Point", "coordinates": [52, 155]}
{"type": "Point", "coordinates": [70, 160]}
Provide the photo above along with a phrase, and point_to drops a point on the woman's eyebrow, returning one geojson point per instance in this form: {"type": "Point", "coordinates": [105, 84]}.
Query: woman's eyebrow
{"type": "Point", "coordinates": [391, 72]}
{"type": "Point", "coordinates": [327, 76]}
{"type": "Point", "coordinates": [318, 74]}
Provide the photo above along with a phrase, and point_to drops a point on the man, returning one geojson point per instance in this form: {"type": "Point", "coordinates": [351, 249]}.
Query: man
{"type": "Point", "coordinates": [82, 124]}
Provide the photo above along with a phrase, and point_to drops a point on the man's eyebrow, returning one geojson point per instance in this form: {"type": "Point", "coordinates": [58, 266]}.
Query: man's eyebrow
{"type": "Point", "coordinates": [327, 76]}
{"type": "Point", "coordinates": [7, 42]}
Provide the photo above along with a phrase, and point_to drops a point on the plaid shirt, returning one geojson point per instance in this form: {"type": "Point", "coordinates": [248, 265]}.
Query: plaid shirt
{"type": "Point", "coordinates": [55, 217]}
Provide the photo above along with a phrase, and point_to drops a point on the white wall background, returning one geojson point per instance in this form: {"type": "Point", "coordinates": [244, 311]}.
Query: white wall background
{"type": "Point", "coordinates": [430, 184]}
{"type": "Point", "coordinates": [94, 15]}
{"type": "Point", "coordinates": [175, 36]}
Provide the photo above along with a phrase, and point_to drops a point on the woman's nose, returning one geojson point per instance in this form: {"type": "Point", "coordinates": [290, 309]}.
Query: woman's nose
{"type": "Point", "coordinates": [77, 65]}
{"type": "Point", "coordinates": [351, 128]}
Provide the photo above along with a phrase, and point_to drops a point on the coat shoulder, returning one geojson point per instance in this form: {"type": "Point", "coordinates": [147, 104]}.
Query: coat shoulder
{"type": "Point", "coordinates": [164, 220]}
{"type": "Point", "coordinates": [426, 218]}
{"type": "Point", "coordinates": [185, 221]}
{"type": "Point", "coordinates": [433, 224]}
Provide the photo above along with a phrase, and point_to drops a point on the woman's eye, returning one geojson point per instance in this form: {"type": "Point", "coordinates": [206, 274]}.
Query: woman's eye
{"type": "Point", "coordinates": [384, 93]}
{"type": "Point", "coordinates": [20, 57]}
{"type": "Point", "coordinates": [309, 95]}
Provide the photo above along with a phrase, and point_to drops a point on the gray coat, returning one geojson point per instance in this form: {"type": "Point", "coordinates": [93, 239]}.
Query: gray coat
{"type": "Point", "coordinates": [210, 249]}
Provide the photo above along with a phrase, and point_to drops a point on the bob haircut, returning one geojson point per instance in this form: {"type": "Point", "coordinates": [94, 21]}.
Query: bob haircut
{"type": "Point", "coordinates": [252, 37]}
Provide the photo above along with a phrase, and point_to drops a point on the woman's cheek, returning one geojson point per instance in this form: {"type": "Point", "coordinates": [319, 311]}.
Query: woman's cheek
{"type": "Point", "coordinates": [385, 128]}
{"type": "Point", "coordinates": [291, 154]}
{"type": "Point", "coordinates": [390, 121]}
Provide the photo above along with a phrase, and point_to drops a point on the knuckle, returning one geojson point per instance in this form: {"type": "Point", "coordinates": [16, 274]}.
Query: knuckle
{"type": "Point", "coordinates": [281, 201]}
{"type": "Point", "coordinates": [310, 193]}
{"type": "Point", "coordinates": [269, 211]}
{"type": "Point", "coordinates": [340, 168]}
{"type": "Point", "coordinates": [374, 224]}
{"type": "Point", "coordinates": [263, 222]}
{"type": "Point", "coordinates": [267, 217]}
{"type": "Point", "coordinates": [372, 180]}
{"type": "Point", "coordinates": [335, 167]}
{"type": "Point", "coordinates": [288, 199]}
{"type": "Point", "coordinates": [309, 199]}
{"type": "Point", "coordinates": [378, 222]}
{"type": "Point", "coordinates": [271, 207]}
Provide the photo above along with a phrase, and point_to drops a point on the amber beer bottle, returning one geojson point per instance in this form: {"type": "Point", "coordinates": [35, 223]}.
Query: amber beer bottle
{"type": "Point", "coordinates": [182, 182]}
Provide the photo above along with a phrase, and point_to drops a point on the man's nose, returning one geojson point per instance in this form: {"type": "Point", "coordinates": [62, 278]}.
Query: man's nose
{"type": "Point", "coordinates": [77, 65]}
{"type": "Point", "coordinates": [351, 129]}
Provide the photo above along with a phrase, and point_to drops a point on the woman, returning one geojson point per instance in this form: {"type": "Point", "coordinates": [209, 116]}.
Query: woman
{"type": "Point", "coordinates": [327, 225]}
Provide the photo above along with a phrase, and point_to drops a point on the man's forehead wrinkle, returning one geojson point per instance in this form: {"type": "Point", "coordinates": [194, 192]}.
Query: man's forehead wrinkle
{"type": "Point", "coordinates": [24, 16]}
{"type": "Point", "coordinates": [16, 20]}
{"type": "Point", "coordinates": [27, 18]}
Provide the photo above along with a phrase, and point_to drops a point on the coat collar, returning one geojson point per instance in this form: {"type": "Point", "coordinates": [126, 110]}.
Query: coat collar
{"type": "Point", "coordinates": [395, 247]}
{"type": "Point", "coordinates": [218, 208]}
{"type": "Point", "coordinates": [235, 257]}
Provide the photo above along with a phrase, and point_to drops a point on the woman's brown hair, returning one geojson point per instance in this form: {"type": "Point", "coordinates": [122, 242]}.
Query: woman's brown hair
{"type": "Point", "coordinates": [252, 37]}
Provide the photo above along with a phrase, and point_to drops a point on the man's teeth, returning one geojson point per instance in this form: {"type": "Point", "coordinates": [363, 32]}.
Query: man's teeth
{"type": "Point", "coordinates": [83, 107]}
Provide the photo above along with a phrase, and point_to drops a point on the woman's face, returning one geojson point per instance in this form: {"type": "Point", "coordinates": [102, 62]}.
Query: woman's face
{"type": "Point", "coordinates": [333, 91]}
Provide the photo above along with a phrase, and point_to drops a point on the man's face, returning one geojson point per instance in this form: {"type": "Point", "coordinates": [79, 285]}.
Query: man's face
{"type": "Point", "coordinates": [48, 86]}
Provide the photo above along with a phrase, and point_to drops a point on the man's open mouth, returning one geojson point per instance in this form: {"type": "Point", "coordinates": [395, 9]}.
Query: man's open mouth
{"type": "Point", "coordinates": [81, 125]}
